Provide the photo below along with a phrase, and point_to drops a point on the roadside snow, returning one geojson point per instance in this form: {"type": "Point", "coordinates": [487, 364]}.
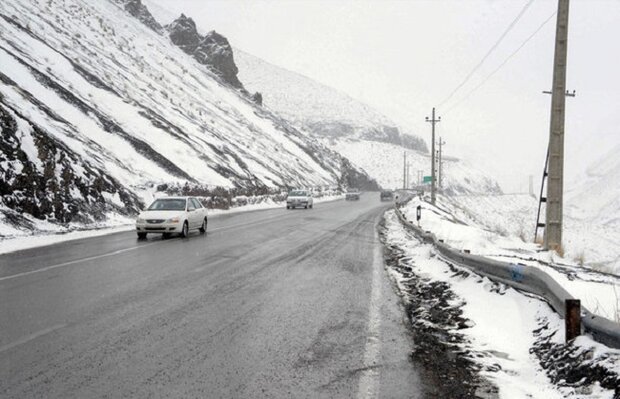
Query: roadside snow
{"type": "Point", "coordinates": [18, 243]}
{"type": "Point", "coordinates": [493, 227]}
{"type": "Point", "coordinates": [500, 334]}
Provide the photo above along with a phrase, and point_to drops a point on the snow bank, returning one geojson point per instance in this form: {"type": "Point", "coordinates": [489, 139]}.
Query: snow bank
{"type": "Point", "coordinates": [493, 227]}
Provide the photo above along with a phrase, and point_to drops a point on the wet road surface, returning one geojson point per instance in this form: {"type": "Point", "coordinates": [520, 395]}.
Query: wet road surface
{"type": "Point", "coordinates": [272, 304]}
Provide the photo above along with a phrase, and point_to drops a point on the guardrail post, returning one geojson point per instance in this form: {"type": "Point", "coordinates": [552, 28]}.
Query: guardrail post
{"type": "Point", "coordinates": [572, 318]}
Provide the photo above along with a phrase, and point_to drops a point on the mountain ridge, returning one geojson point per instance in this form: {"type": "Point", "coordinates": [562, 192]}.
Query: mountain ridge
{"type": "Point", "coordinates": [318, 108]}
{"type": "Point", "coordinates": [121, 104]}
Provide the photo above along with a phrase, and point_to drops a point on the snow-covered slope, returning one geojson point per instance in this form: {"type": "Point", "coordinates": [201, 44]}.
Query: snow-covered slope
{"type": "Point", "coordinates": [96, 106]}
{"type": "Point", "coordinates": [370, 140]}
{"type": "Point", "coordinates": [384, 162]}
{"type": "Point", "coordinates": [597, 195]}
{"type": "Point", "coordinates": [318, 108]}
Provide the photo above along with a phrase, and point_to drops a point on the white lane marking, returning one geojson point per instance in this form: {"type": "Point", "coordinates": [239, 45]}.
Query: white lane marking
{"type": "Point", "coordinates": [30, 337]}
{"type": "Point", "coordinates": [73, 262]}
{"type": "Point", "coordinates": [369, 379]}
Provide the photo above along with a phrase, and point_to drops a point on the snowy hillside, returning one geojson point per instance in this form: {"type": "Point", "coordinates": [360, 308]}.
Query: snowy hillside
{"type": "Point", "coordinates": [351, 128]}
{"type": "Point", "coordinates": [97, 106]}
{"type": "Point", "coordinates": [319, 109]}
{"type": "Point", "coordinates": [597, 194]}
{"type": "Point", "coordinates": [384, 162]}
{"type": "Point", "coordinates": [586, 243]}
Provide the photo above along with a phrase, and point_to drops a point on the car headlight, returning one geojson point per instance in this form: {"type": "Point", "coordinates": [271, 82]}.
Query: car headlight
{"type": "Point", "coordinates": [173, 220]}
{"type": "Point", "coordinates": [140, 220]}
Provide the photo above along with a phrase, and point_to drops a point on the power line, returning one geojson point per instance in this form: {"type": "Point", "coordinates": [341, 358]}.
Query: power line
{"type": "Point", "coordinates": [489, 76]}
{"type": "Point", "coordinates": [501, 38]}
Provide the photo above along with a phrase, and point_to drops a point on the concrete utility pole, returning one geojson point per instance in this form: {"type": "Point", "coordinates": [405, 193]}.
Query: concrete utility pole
{"type": "Point", "coordinates": [555, 183]}
{"type": "Point", "coordinates": [408, 176]}
{"type": "Point", "coordinates": [433, 121]}
{"type": "Point", "coordinates": [404, 170]}
{"type": "Point", "coordinates": [440, 180]}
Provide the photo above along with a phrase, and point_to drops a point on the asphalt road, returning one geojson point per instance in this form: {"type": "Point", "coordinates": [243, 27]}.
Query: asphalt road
{"type": "Point", "coordinates": [272, 303]}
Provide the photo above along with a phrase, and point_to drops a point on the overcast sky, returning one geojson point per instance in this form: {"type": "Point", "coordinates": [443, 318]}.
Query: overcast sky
{"type": "Point", "coordinates": [404, 57]}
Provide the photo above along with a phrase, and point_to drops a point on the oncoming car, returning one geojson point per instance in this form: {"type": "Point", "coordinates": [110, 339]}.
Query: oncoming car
{"type": "Point", "coordinates": [387, 195]}
{"type": "Point", "coordinates": [172, 215]}
{"type": "Point", "coordinates": [299, 198]}
{"type": "Point", "coordinates": [352, 195]}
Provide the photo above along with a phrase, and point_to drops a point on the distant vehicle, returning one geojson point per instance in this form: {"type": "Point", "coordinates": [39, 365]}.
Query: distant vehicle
{"type": "Point", "coordinates": [352, 195]}
{"type": "Point", "coordinates": [387, 195]}
{"type": "Point", "coordinates": [172, 215]}
{"type": "Point", "coordinates": [299, 198]}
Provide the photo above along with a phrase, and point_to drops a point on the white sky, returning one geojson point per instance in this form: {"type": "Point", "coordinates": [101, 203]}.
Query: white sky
{"type": "Point", "coordinates": [404, 57]}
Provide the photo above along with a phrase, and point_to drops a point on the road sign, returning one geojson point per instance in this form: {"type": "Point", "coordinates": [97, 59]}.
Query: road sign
{"type": "Point", "coordinates": [427, 179]}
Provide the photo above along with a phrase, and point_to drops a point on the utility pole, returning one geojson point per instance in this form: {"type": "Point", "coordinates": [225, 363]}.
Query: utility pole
{"type": "Point", "coordinates": [433, 121]}
{"type": "Point", "coordinates": [408, 176]}
{"type": "Point", "coordinates": [555, 183]}
{"type": "Point", "coordinates": [440, 180]}
{"type": "Point", "coordinates": [542, 199]}
{"type": "Point", "coordinates": [404, 170]}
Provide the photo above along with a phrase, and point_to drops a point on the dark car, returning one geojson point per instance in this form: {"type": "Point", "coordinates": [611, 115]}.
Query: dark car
{"type": "Point", "coordinates": [387, 195]}
{"type": "Point", "coordinates": [352, 195]}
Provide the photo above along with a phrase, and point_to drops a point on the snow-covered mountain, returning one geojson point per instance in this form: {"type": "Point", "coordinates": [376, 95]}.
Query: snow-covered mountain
{"type": "Point", "coordinates": [318, 108]}
{"type": "Point", "coordinates": [98, 104]}
{"type": "Point", "coordinates": [355, 130]}
{"type": "Point", "coordinates": [384, 162]}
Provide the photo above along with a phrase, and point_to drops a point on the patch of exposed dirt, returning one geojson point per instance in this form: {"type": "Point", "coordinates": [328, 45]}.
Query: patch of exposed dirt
{"type": "Point", "coordinates": [571, 366]}
{"type": "Point", "coordinates": [436, 317]}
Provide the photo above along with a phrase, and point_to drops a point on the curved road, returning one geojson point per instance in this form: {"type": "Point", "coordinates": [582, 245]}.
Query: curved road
{"type": "Point", "coordinates": [272, 304]}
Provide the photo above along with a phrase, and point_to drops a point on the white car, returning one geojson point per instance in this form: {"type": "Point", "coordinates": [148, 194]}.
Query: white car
{"type": "Point", "coordinates": [299, 198]}
{"type": "Point", "coordinates": [172, 215]}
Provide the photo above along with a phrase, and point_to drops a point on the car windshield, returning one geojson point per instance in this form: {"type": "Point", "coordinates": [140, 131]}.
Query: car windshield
{"type": "Point", "coordinates": [297, 193]}
{"type": "Point", "coordinates": [168, 204]}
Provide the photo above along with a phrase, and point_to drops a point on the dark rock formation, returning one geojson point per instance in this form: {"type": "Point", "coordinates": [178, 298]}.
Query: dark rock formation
{"type": "Point", "coordinates": [382, 134]}
{"type": "Point", "coordinates": [413, 143]}
{"type": "Point", "coordinates": [212, 50]}
{"type": "Point", "coordinates": [257, 98]}
{"type": "Point", "coordinates": [183, 33]}
{"type": "Point", "coordinates": [354, 178]}
{"type": "Point", "coordinates": [215, 52]}
{"type": "Point", "coordinates": [46, 179]}
{"type": "Point", "coordinates": [141, 12]}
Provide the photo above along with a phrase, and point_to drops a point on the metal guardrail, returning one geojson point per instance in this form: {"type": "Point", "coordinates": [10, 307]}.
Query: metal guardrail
{"type": "Point", "coordinates": [524, 278]}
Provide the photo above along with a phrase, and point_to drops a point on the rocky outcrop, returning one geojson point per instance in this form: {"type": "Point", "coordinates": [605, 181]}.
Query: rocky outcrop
{"type": "Point", "coordinates": [139, 10]}
{"type": "Point", "coordinates": [382, 134]}
{"type": "Point", "coordinates": [183, 33]}
{"type": "Point", "coordinates": [215, 52]}
{"type": "Point", "coordinates": [354, 178]}
{"type": "Point", "coordinates": [212, 49]}
{"type": "Point", "coordinates": [257, 98]}
{"type": "Point", "coordinates": [413, 143]}
{"type": "Point", "coordinates": [42, 177]}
